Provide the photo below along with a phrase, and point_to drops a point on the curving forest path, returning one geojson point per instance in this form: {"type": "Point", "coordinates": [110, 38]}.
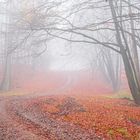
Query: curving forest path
{"type": "Point", "coordinates": [18, 121]}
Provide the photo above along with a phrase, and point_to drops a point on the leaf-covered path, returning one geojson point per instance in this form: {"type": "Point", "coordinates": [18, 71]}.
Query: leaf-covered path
{"type": "Point", "coordinates": [9, 128]}
{"type": "Point", "coordinates": [19, 122]}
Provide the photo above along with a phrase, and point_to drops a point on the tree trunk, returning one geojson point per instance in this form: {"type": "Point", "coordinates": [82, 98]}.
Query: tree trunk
{"type": "Point", "coordinates": [134, 46]}
{"type": "Point", "coordinates": [6, 81]}
{"type": "Point", "coordinates": [131, 80]}
{"type": "Point", "coordinates": [127, 59]}
{"type": "Point", "coordinates": [110, 70]}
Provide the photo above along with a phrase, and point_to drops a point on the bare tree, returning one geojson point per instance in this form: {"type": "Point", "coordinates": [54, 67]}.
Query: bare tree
{"type": "Point", "coordinates": [110, 65]}
{"type": "Point", "coordinates": [21, 41]}
{"type": "Point", "coordinates": [120, 22]}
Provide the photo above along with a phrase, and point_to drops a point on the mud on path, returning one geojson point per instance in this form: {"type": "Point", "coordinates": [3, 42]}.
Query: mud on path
{"type": "Point", "coordinates": [19, 122]}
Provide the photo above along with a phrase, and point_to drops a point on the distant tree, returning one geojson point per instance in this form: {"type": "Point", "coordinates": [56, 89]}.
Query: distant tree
{"type": "Point", "coordinates": [110, 65]}
{"type": "Point", "coordinates": [122, 22]}
{"type": "Point", "coordinates": [21, 41]}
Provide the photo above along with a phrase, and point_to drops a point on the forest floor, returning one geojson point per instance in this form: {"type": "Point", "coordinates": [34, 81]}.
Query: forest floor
{"type": "Point", "coordinates": [68, 117]}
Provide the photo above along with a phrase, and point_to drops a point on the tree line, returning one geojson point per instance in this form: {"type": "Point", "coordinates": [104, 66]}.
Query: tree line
{"type": "Point", "coordinates": [112, 26]}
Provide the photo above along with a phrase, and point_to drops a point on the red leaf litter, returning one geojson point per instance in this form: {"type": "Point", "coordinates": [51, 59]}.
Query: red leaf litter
{"type": "Point", "coordinates": [62, 107]}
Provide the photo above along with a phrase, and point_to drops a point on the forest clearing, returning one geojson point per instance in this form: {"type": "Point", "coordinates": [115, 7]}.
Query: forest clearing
{"type": "Point", "coordinates": [69, 70]}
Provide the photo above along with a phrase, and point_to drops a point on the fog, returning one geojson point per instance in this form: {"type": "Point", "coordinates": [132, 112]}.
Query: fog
{"type": "Point", "coordinates": [66, 58]}
{"type": "Point", "coordinates": [71, 36]}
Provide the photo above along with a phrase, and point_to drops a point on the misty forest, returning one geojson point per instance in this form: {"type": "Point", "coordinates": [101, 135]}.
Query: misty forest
{"type": "Point", "coordinates": [69, 70]}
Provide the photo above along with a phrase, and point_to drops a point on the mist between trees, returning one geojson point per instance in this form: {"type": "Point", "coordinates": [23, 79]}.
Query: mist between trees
{"type": "Point", "coordinates": [105, 31]}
